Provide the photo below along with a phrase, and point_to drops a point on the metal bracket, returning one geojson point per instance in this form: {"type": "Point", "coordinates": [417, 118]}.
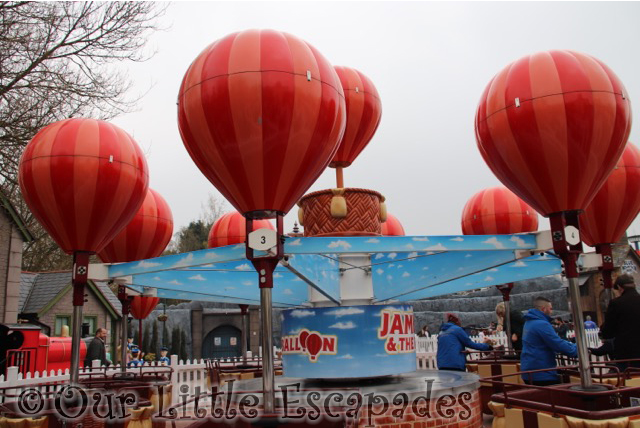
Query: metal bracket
{"type": "Point", "coordinates": [517, 102]}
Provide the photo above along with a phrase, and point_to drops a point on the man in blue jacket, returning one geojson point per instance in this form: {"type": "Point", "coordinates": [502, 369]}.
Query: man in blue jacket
{"type": "Point", "coordinates": [540, 344]}
{"type": "Point", "coordinates": [452, 341]}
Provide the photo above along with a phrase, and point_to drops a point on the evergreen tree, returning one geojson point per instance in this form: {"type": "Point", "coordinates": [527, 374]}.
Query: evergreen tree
{"type": "Point", "coordinates": [183, 345]}
{"type": "Point", "coordinates": [145, 340]}
{"type": "Point", "coordinates": [153, 346]}
{"type": "Point", "coordinates": [175, 341]}
{"type": "Point", "coordinates": [166, 340]}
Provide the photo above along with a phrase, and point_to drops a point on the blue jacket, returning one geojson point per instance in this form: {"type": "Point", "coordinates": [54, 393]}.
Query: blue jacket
{"type": "Point", "coordinates": [540, 343]}
{"type": "Point", "coordinates": [452, 341]}
{"type": "Point", "coordinates": [589, 325]}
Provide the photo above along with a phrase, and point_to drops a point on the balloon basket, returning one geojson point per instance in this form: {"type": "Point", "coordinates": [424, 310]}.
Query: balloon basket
{"type": "Point", "coordinates": [342, 212]}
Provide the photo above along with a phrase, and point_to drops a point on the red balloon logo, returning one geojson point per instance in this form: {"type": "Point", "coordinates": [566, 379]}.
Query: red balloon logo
{"type": "Point", "coordinates": [364, 110]}
{"type": "Point", "coordinates": [551, 126]}
{"type": "Point", "coordinates": [303, 338]}
{"type": "Point", "coordinates": [391, 227]}
{"type": "Point", "coordinates": [313, 345]}
{"type": "Point", "coordinates": [84, 180]}
{"type": "Point", "coordinates": [261, 113]}
{"type": "Point", "coordinates": [616, 204]}
{"type": "Point", "coordinates": [497, 211]}
{"type": "Point", "coordinates": [231, 229]}
{"type": "Point", "coordinates": [147, 234]}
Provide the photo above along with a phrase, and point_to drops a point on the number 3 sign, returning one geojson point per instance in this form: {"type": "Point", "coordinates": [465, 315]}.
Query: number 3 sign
{"type": "Point", "coordinates": [263, 239]}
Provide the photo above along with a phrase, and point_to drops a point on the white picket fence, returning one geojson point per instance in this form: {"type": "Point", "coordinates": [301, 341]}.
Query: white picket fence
{"type": "Point", "coordinates": [427, 347]}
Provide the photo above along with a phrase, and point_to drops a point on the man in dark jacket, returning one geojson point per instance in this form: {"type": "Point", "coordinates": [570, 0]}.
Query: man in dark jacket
{"type": "Point", "coordinates": [622, 321]}
{"type": "Point", "coordinates": [452, 342]}
{"type": "Point", "coordinates": [540, 344]}
{"type": "Point", "coordinates": [96, 349]}
{"type": "Point", "coordinates": [517, 324]}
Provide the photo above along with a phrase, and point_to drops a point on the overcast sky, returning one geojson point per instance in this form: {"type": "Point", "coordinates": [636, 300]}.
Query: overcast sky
{"type": "Point", "coordinates": [430, 63]}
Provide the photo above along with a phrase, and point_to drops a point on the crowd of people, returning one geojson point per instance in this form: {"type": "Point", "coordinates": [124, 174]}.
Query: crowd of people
{"type": "Point", "coordinates": [97, 350]}
{"type": "Point", "coordinates": [537, 337]}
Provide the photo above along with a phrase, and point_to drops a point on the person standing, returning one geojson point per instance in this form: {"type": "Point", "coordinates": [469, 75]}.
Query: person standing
{"type": "Point", "coordinates": [97, 349]}
{"type": "Point", "coordinates": [590, 325]}
{"type": "Point", "coordinates": [622, 323]}
{"type": "Point", "coordinates": [517, 324]}
{"type": "Point", "coordinates": [540, 343]}
{"type": "Point", "coordinates": [452, 341]}
{"type": "Point", "coordinates": [561, 328]}
{"type": "Point", "coordinates": [424, 332]}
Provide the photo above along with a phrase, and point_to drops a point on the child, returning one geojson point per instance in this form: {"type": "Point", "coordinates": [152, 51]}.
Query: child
{"type": "Point", "coordinates": [135, 358]}
{"type": "Point", "coordinates": [164, 360]}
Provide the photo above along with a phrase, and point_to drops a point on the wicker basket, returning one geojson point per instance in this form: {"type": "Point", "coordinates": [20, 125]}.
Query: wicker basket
{"type": "Point", "coordinates": [342, 212]}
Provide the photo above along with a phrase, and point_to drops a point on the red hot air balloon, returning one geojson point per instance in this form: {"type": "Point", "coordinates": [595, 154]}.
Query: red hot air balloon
{"type": "Point", "coordinates": [147, 234]}
{"type": "Point", "coordinates": [391, 227]}
{"type": "Point", "coordinates": [84, 180]}
{"type": "Point", "coordinates": [261, 113]}
{"type": "Point", "coordinates": [616, 204]}
{"type": "Point", "coordinates": [364, 110]}
{"type": "Point", "coordinates": [313, 344]}
{"type": "Point", "coordinates": [231, 229]}
{"type": "Point", "coordinates": [551, 126]}
{"type": "Point", "coordinates": [141, 307]}
{"type": "Point", "coordinates": [497, 211]}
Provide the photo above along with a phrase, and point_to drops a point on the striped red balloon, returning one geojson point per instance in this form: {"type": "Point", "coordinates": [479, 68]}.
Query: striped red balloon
{"type": "Point", "coordinates": [616, 204]}
{"type": "Point", "coordinates": [364, 110]}
{"type": "Point", "coordinates": [142, 306]}
{"type": "Point", "coordinates": [497, 211]}
{"type": "Point", "coordinates": [147, 234]}
{"type": "Point", "coordinates": [551, 126]}
{"type": "Point", "coordinates": [84, 180]}
{"type": "Point", "coordinates": [261, 113]}
{"type": "Point", "coordinates": [391, 227]}
{"type": "Point", "coordinates": [231, 229]}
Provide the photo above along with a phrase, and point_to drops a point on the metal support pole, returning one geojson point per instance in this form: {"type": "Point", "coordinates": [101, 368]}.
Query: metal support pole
{"type": "Point", "coordinates": [140, 335]}
{"type": "Point", "coordinates": [581, 342]}
{"type": "Point", "coordinates": [339, 177]}
{"type": "Point", "coordinates": [243, 314]}
{"type": "Point", "coordinates": [123, 343]}
{"type": "Point", "coordinates": [267, 351]}
{"type": "Point", "coordinates": [79, 279]}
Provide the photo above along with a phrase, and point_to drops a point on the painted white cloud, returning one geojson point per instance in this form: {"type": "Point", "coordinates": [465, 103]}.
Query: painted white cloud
{"type": "Point", "coordinates": [339, 243]}
{"type": "Point", "coordinates": [488, 278]}
{"type": "Point", "coordinates": [345, 312]}
{"type": "Point", "coordinates": [175, 282]}
{"type": "Point", "coordinates": [392, 265]}
{"type": "Point", "coordinates": [381, 355]}
{"type": "Point", "coordinates": [412, 256]}
{"type": "Point", "coordinates": [296, 331]}
{"type": "Point", "coordinates": [392, 255]}
{"type": "Point", "coordinates": [211, 255]}
{"type": "Point", "coordinates": [247, 283]}
{"type": "Point", "coordinates": [380, 271]}
{"type": "Point", "coordinates": [493, 270]}
{"type": "Point", "coordinates": [519, 241]}
{"type": "Point", "coordinates": [345, 357]}
{"type": "Point", "coordinates": [296, 279]}
{"type": "Point", "coordinates": [457, 239]}
{"type": "Point", "coordinates": [520, 263]}
{"type": "Point", "coordinates": [372, 241]}
{"type": "Point", "coordinates": [438, 247]}
{"type": "Point", "coordinates": [229, 288]}
{"type": "Point", "coordinates": [343, 325]}
{"type": "Point", "coordinates": [301, 313]}
{"type": "Point", "coordinates": [494, 241]}
{"type": "Point", "coordinates": [389, 277]}
{"type": "Point", "coordinates": [379, 256]}
{"type": "Point", "coordinates": [295, 242]}
{"type": "Point", "coordinates": [157, 278]}
{"type": "Point", "coordinates": [244, 266]}
{"type": "Point", "coordinates": [425, 268]}
{"type": "Point", "coordinates": [198, 278]}
{"type": "Point", "coordinates": [420, 238]}
{"type": "Point", "coordinates": [468, 255]}
{"type": "Point", "coordinates": [185, 261]}
{"type": "Point", "coordinates": [406, 274]}
{"type": "Point", "coordinates": [239, 246]}
{"type": "Point", "coordinates": [146, 265]}
{"type": "Point", "coordinates": [287, 291]}
{"type": "Point", "coordinates": [409, 247]}
{"type": "Point", "coordinates": [277, 275]}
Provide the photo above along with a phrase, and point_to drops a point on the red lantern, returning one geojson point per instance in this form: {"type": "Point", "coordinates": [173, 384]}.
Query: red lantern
{"type": "Point", "coordinates": [497, 211]}
{"type": "Point", "coordinates": [391, 227]}
{"type": "Point", "coordinates": [261, 113]}
{"type": "Point", "coordinates": [616, 204]}
{"type": "Point", "coordinates": [231, 229]}
{"type": "Point", "coordinates": [147, 234]}
{"type": "Point", "coordinates": [364, 110]}
{"type": "Point", "coordinates": [83, 179]}
{"type": "Point", "coordinates": [142, 306]}
{"type": "Point", "coordinates": [551, 126]}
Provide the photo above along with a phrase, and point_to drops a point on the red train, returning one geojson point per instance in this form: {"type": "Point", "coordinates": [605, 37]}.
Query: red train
{"type": "Point", "coordinates": [25, 346]}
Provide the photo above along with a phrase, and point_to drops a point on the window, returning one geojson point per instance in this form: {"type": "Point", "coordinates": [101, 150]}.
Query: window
{"type": "Point", "coordinates": [60, 321]}
{"type": "Point", "coordinates": [92, 321]}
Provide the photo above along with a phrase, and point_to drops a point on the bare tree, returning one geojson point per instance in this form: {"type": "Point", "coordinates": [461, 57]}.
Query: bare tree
{"type": "Point", "coordinates": [59, 60]}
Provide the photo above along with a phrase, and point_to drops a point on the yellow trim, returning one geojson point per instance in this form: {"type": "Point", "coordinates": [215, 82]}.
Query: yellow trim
{"type": "Point", "coordinates": [513, 418]}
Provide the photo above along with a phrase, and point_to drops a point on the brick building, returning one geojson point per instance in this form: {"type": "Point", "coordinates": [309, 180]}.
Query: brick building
{"type": "Point", "coordinates": [13, 234]}
{"type": "Point", "coordinates": [47, 298]}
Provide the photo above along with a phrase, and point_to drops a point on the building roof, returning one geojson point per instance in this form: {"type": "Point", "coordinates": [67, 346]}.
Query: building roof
{"type": "Point", "coordinates": [5, 203]}
{"type": "Point", "coordinates": [39, 291]}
